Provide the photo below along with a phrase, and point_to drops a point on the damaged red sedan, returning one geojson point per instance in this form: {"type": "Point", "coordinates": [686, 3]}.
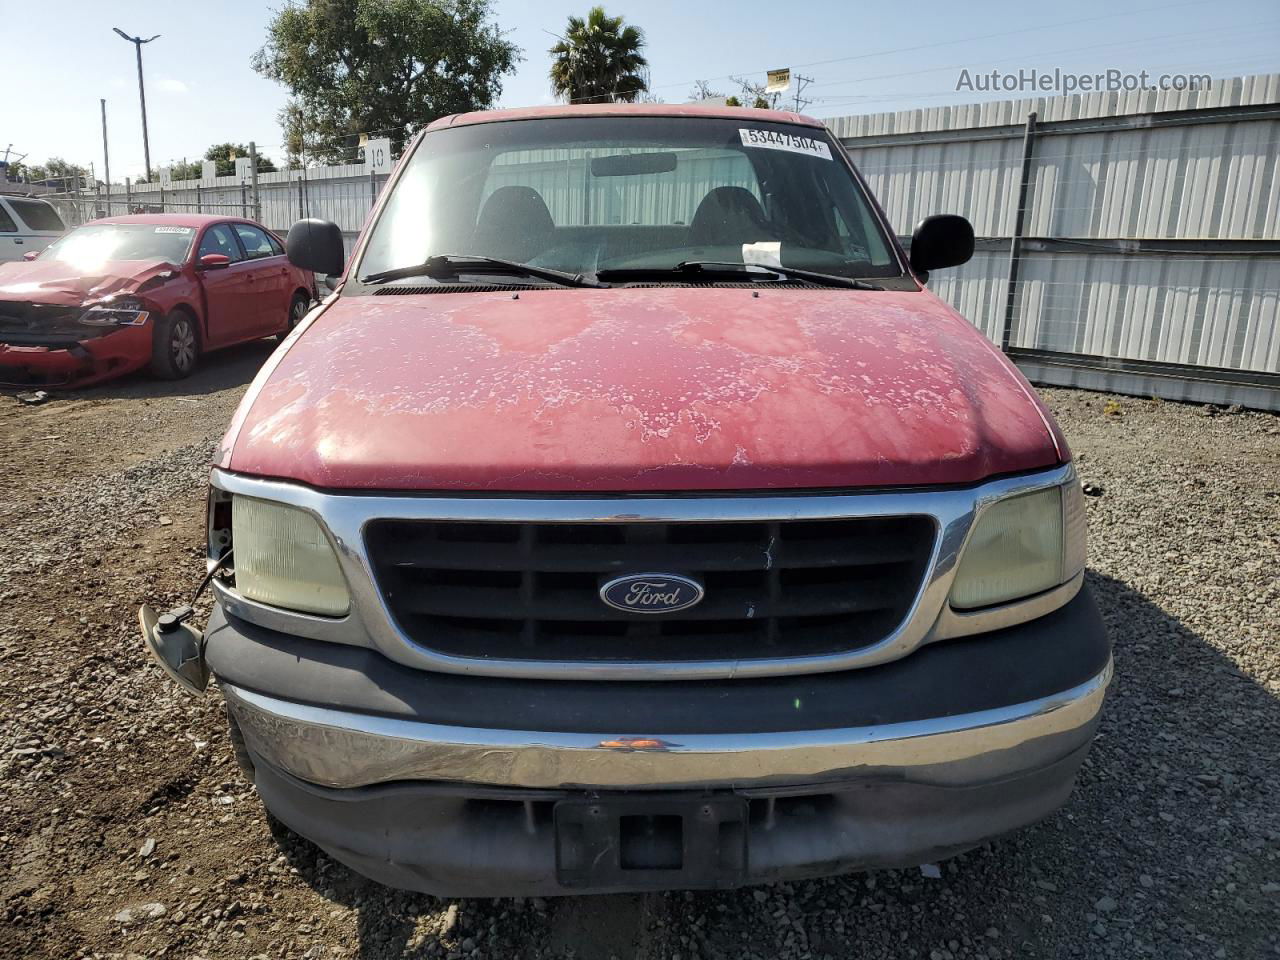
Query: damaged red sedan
{"type": "Point", "coordinates": [157, 291]}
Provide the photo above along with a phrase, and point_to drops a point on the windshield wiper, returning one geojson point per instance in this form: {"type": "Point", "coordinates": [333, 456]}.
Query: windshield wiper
{"type": "Point", "coordinates": [452, 264]}
{"type": "Point", "coordinates": [730, 268]}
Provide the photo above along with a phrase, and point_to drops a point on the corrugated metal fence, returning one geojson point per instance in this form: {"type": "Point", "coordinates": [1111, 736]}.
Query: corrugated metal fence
{"type": "Point", "coordinates": [1148, 259]}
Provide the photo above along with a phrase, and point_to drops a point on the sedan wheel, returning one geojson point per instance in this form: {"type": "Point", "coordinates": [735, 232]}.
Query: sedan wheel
{"type": "Point", "coordinates": [182, 346]}
{"type": "Point", "coordinates": [297, 310]}
{"type": "Point", "coordinates": [175, 346]}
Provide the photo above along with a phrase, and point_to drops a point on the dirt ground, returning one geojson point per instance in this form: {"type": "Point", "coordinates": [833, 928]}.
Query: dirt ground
{"type": "Point", "coordinates": [126, 831]}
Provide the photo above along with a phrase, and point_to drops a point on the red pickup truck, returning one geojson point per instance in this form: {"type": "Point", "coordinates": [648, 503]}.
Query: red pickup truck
{"type": "Point", "coordinates": [631, 516]}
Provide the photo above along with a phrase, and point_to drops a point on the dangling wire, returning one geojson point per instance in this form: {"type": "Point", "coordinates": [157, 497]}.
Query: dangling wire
{"type": "Point", "coordinates": [213, 571]}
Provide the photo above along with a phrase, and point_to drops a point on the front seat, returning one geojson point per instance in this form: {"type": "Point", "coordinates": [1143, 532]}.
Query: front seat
{"type": "Point", "coordinates": [514, 224]}
{"type": "Point", "coordinates": [728, 216]}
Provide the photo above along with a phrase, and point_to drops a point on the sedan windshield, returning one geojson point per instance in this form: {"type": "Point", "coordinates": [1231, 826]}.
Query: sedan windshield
{"type": "Point", "coordinates": [628, 198]}
{"type": "Point", "coordinates": [99, 242]}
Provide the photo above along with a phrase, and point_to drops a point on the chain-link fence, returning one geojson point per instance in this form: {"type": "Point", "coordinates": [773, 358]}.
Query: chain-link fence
{"type": "Point", "coordinates": [78, 208]}
{"type": "Point", "coordinates": [343, 193]}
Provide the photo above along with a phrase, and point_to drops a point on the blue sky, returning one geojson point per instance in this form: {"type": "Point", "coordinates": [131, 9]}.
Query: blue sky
{"type": "Point", "coordinates": [864, 58]}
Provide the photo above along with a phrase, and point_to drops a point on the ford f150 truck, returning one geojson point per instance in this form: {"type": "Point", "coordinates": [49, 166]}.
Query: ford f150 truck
{"type": "Point", "coordinates": [631, 516]}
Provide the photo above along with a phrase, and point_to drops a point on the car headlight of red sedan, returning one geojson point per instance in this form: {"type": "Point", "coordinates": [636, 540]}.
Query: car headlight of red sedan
{"type": "Point", "coordinates": [116, 313]}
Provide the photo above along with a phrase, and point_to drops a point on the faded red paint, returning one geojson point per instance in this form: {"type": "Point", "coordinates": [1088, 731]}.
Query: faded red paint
{"type": "Point", "coordinates": [640, 389]}
{"type": "Point", "coordinates": [161, 286]}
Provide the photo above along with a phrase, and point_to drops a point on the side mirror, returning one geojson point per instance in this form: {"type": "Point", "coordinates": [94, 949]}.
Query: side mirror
{"type": "Point", "coordinates": [944, 240]}
{"type": "Point", "coordinates": [316, 245]}
{"type": "Point", "coordinates": [214, 261]}
{"type": "Point", "coordinates": [30, 255]}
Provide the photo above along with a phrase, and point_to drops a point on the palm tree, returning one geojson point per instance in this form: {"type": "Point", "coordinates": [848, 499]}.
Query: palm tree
{"type": "Point", "coordinates": [598, 60]}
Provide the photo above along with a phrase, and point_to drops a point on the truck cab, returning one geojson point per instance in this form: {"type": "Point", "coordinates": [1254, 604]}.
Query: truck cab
{"type": "Point", "coordinates": [27, 226]}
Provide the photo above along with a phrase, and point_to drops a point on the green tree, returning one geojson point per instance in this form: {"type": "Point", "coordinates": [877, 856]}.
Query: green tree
{"type": "Point", "coordinates": [384, 67]}
{"type": "Point", "coordinates": [19, 171]}
{"type": "Point", "coordinates": [224, 155]}
{"type": "Point", "coordinates": [598, 60]}
{"type": "Point", "coordinates": [756, 93]}
{"type": "Point", "coordinates": [186, 170]}
{"type": "Point", "coordinates": [54, 167]}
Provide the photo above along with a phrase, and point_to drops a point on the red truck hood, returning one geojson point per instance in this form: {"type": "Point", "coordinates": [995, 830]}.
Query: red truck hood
{"type": "Point", "coordinates": [66, 284]}
{"type": "Point", "coordinates": [639, 389]}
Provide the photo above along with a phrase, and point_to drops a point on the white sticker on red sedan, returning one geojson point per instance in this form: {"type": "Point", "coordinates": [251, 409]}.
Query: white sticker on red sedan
{"type": "Point", "coordinates": [173, 230]}
{"type": "Point", "coordinates": [775, 140]}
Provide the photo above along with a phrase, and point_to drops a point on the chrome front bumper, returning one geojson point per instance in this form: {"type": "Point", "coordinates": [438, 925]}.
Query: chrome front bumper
{"type": "Point", "coordinates": [337, 748]}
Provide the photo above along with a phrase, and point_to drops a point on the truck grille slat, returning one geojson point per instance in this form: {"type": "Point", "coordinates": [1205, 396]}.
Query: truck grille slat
{"type": "Point", "coordinates": [606, 558]}
{"type": "Point", "coordinates": [531, 590]}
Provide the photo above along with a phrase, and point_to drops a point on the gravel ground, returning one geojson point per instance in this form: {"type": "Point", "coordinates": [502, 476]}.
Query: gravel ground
{"type": "Point", "coordinates": [125, 830]}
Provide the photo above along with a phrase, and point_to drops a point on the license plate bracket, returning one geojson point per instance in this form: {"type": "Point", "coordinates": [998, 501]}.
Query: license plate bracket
{"type": "Point", "coordinates": [652, 841]}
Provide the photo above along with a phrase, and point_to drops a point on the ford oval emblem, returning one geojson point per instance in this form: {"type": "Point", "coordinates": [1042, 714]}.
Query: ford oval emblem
{"type": "Point", "coordinates": [651, 593]}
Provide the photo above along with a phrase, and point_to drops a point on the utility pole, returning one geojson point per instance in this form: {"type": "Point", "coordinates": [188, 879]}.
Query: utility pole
{"type": "Point", "coordinates": [142, 94]}
{"type": "Point", "coordinates": [106, 159]}
{"type": "Point", "coordinates": [799, 102]}
{"type": "Point", "coordinates": [253, 175]}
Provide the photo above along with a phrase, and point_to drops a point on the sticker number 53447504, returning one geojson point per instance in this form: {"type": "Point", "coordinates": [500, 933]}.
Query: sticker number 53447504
{"type": "Point", "coordinates": [775, 140]}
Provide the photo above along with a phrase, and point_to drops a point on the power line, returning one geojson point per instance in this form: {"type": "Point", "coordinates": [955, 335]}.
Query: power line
{"type": "Point", "coordinates": [798, 102]}
{"type": "Point", "coordinates": [968, 96]}
{"type": "Point", "coordinates": [945, 43]}
{"type": "Point", "coordinates": [1230, 31]}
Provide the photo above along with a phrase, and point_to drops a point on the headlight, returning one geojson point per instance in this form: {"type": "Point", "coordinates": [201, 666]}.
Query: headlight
{"type": "Point", "coordinates": [120, 313]}
{"type": "Point", "coordinates": [283, 558]}
{"type": "Point", "coordinates": [1021, 546]}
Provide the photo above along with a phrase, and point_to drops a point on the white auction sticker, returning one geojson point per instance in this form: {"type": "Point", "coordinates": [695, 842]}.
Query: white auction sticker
{"type": "Point", "coordinates": [173, 229]}
{"type": "Point", "coordinates": [773, 140]}
{"type": "Point", "coordinates": [763, 253]}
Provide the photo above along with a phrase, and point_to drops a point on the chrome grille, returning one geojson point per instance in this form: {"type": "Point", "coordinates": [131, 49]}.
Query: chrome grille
{"type": "Point", "coordinates": [530, 591]}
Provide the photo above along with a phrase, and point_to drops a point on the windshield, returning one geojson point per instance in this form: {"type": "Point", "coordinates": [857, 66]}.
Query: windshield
{"type": "Point", "coordinates": [37, 214]}
{"type": "Point", "coordinates": [591, 194]}
{"type": "Point", "coordinates": [96, 243]}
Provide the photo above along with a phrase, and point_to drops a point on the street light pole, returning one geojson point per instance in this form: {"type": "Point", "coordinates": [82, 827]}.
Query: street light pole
{"type": "Point", "coordinates": [142, 94]}
{"type": "Point", "coordinates": [106, 156]}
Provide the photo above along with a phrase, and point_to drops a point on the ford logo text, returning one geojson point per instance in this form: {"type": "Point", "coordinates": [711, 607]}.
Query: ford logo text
{"type": "Point", "coordinates": [651, 593]}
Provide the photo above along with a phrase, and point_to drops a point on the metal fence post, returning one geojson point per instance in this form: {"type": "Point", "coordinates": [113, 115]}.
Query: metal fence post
{"type": "Point", "coordinates": [1015, 242]}
{"type": "Point", "coordinates": [244, 207]}
{"type": "Point", "coordinates": [128, 196]}
{"type": "Point", "coordinates": [253, 177]}
{"type": "Point", "coordinates": [373, 188]}
{"type": "Point", "coordinates": [162, 198]}
{"type": "Point", "coordinates": [199, 200]}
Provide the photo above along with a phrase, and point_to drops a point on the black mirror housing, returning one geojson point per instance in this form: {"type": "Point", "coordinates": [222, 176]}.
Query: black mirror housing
{"type": "Point", "coordinates": [943, 240]}
{"type": "Point", "coordinates": [316, 245]}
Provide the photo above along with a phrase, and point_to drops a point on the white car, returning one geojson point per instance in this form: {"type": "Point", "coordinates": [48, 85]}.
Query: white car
{"type": "Point", "coordinates": [27, 225]}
